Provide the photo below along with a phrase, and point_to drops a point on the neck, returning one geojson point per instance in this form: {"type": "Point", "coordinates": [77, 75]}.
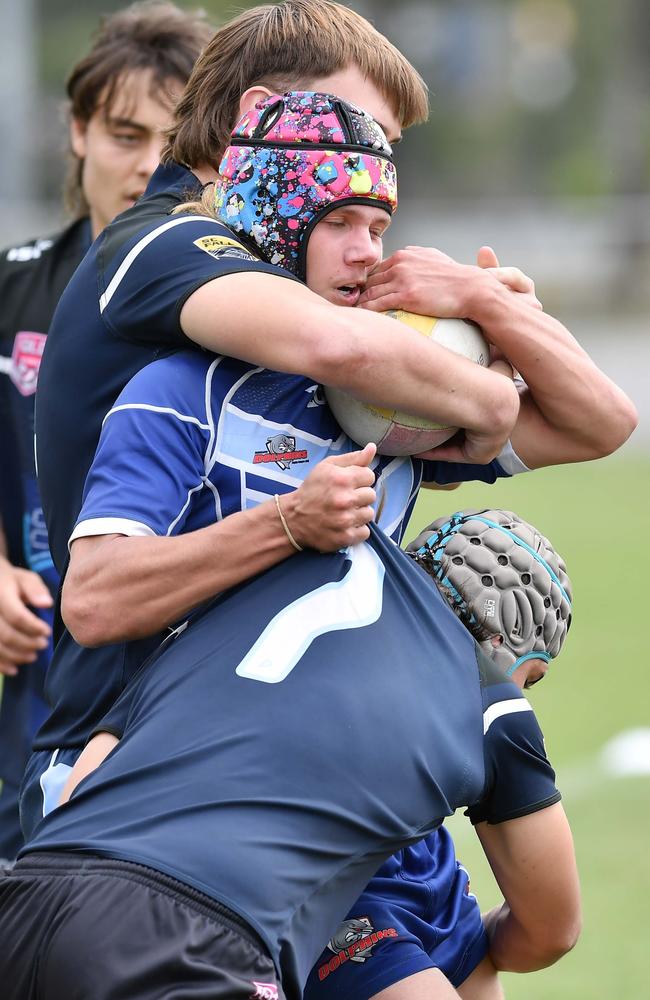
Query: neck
{"type": "Point", "coordinates": [205, 174]}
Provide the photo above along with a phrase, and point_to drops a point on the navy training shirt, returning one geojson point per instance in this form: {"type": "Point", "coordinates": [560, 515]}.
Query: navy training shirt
{"type": "Point", "coordinates": [304, 727]}
{"type": "Point", "coordinates": [120, 311]}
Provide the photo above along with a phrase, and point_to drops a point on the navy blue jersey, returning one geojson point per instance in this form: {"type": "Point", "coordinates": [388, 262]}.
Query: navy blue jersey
{"type": "Point", "coordinates": [32, 278]}
{"type": "Point", "coordinates": [305, 726]}
{"type": "Point", "coordinates": [120, 312]}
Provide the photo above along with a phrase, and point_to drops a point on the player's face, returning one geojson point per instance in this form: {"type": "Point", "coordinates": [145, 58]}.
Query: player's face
{"type": "Point", "coordinates": [342, 249]}
{"type": "Point", "coordinates": [530, 672]}
{"type": "Point", "coordinates": [353, 86]}
{"type": "Point", "coordinates": [120, 146]}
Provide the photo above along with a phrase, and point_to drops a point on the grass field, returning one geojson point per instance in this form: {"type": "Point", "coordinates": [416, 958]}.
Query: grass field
{"type": "Point", "coordinates": [597, 516]}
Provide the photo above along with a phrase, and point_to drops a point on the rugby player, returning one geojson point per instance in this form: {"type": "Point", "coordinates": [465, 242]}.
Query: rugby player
{"type": "Point", "coordinates": [253, 308]}
{"type": "Point", "coordinates": [120, 99]}
{"type": "Point", "coordinates": [260, 766]}
{"type": "Point", "coordinates": [197, 423]}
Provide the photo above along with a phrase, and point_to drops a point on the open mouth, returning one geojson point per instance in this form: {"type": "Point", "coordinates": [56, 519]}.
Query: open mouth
{"type": "Point", "coordinates": [349, 293]}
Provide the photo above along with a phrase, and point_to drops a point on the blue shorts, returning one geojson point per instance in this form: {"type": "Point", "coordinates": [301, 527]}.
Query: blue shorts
{"type": "Point", "coordinates": [417, 913]}
{"type": "Point", "coordinates": [45, 775]}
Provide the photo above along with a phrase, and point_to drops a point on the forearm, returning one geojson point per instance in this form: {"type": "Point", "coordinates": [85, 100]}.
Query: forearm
{"type": "Point", "coordinates": [120, 588]}
{"type": "Point", "coordinates": [285, 327]}
{"type": "Point", "coordinates": [571, 410]}
{"type": "Point", "coordinates": [129, 588]}
{"type": "Point", "coordinates": [513, 948]}
{"type": "Point", "coordinates": [533, 861]}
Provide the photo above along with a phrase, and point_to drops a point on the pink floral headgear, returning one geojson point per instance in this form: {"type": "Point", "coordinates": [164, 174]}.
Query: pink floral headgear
{"type": "Point", "coordinates": [293, 159]}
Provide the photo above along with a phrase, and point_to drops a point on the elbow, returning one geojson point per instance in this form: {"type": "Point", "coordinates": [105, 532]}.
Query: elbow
{"type": "Point", "coordinates": [502, 410]}
{"type": "Point", "coordinates": [561, 939]}
{"type": "Point", "coordinates": [622, 421]}
{"type": "Point", "coordinates": [551, 943]}
{"type": "Point", "coordinates": [82, 617]}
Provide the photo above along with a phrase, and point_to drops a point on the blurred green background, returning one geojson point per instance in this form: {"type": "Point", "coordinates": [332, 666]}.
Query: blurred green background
{"type": "Point", "coordinates": [538, 143]}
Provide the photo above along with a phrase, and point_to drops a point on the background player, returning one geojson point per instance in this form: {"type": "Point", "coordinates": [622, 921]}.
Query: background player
{"type": "Point", "coordinates": [280, 845]}
{"type": "Point", "coordinates": [120, 99]}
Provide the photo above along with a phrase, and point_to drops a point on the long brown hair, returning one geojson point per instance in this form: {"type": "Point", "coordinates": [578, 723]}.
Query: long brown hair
{"type": "Point", "coordinates": [284, 46]}
{"type": "Point", "coordinates": [153, 35]}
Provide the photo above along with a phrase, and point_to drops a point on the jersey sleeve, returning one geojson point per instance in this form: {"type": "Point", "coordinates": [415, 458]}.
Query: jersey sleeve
{"type": "Point", "coordinates": [519, 777]}
{"type": "Point", "coordinates": [505, 465]}
{"type": "Point", "coordinates": [145, 286]}
{"type": "Point", "coordinates": [150, 459]}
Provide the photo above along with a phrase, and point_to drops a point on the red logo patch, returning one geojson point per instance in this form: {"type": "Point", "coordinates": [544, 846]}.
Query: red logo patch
{"type": "Point", "coordinates": [26, 361]}
{"type": "Point", "coordinates": [353, 942]}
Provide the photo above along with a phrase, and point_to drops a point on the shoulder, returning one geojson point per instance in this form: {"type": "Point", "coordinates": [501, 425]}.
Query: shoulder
{"type": "Point", "coordinates": [177, 385]}
{"type": "Point", "coordinates": [519, 776]}
{"type": "Point", "coordinates": [24, 260]}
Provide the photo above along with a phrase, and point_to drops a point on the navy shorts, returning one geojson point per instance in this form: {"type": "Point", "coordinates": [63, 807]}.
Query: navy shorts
{"type": "Point", "coordinates": [417, 913]}
{"type": "Point", "coordinates": [75, 925]}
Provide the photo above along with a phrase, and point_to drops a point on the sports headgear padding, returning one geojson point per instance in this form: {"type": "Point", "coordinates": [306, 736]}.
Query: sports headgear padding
{"type": "Point", "coordinates": [502, 576]}
{"type": "Point", "coordinates": [293, 159]}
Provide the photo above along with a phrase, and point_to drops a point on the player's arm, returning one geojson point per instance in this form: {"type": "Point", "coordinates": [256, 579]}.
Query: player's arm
{"type": "Point", "coordinates": [534, 863]}
{"type": "Point", "coordinates": [268, 320]}
{"type": "Point", "coordinates": [119, 588]}
{"type": "Point", "coordinates": [93, 754]}
{"type": "Point", "coordinates": [570, 411]}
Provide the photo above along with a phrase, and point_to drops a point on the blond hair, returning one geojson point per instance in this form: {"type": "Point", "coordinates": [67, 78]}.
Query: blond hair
{"type": "Point", "coordinates": [284, 46]}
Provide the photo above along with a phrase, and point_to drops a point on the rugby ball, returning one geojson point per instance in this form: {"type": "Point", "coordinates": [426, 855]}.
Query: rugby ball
{"type": "Point", "coordinates": [395, 432]}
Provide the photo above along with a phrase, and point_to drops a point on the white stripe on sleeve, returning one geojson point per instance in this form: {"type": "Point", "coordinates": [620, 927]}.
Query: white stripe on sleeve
{"type": "Point", "coordinates": [495, 711]}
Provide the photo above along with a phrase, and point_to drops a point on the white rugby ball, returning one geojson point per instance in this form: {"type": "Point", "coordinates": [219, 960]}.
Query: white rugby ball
{"type": "Point", "coordinates": [395, 432]}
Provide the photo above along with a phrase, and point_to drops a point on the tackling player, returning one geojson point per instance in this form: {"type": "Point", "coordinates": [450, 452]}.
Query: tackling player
{"type": "Point", "coordinates": [214, 436]}
{"type": "Point", "coordinates": [304, 725]}
{"type": "Point", "coordinates": [120, 99]}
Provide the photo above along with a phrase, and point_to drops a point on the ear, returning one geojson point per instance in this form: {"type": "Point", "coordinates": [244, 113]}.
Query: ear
{"type": "Point", "coordinates": [251, 96]}
{"type": "Point", "coordinates": [78, 129]}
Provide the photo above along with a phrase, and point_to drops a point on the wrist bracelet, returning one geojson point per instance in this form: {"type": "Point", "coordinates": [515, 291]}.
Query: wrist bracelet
{"type": "Point", "coordinates": [287, 532]}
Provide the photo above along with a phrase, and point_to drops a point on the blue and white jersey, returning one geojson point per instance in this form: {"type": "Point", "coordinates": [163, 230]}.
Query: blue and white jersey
{"type": "Point", "coordinates": [195, 437]}
{"type": "Point", "coordinates": [305, 726]}
{"type": "Point", "coordinates": [207, 437]}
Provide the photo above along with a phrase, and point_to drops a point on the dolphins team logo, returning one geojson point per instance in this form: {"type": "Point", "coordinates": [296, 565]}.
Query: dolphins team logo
{"type": "Point", "coordinates": [350, 932]}
{"type": "Point", "coordinates": [353, 942]}
{"type": "Point", "coordinates": [281, 449]}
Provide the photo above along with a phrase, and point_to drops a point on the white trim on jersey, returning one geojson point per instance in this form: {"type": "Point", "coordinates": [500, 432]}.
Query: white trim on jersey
{"type": "Point", "coordinates": [187, 418]}
{"type": "Point", "coordinates": [194, 489]}
{"type": "Point", "coordinates": [141, 245]}
{"type": "Point", "coordinates": [397, 463]}
{"type": "Point", "coordinates": [509, 460]}
{"type": "Point", "coordinates": [501, 708]}
{"type": "Point", "coordinates": [215, 452]}
{"type": "Point", "coordinates": [353, 602]}
{"type": "Point", "coordinates": [217, 498]}
{"type": "Point", "coordinates": [209, 414]}
{"type": "Point", "coordinates": [282, 428]}
{"type": "Point", "coordinates": [110, 526]}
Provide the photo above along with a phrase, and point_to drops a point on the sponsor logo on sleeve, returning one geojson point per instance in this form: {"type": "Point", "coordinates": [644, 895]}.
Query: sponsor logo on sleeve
{"type": "Point", "coordinates": [221, 247]}
{"type": "Point", "coordinates": [26, 361]}
{"type": "Point", "coordinates": [281, 449]}
{"type": "Point", "coordinates": [353, 942]}
{"type": "Point", "coordinates": [264, 991]}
